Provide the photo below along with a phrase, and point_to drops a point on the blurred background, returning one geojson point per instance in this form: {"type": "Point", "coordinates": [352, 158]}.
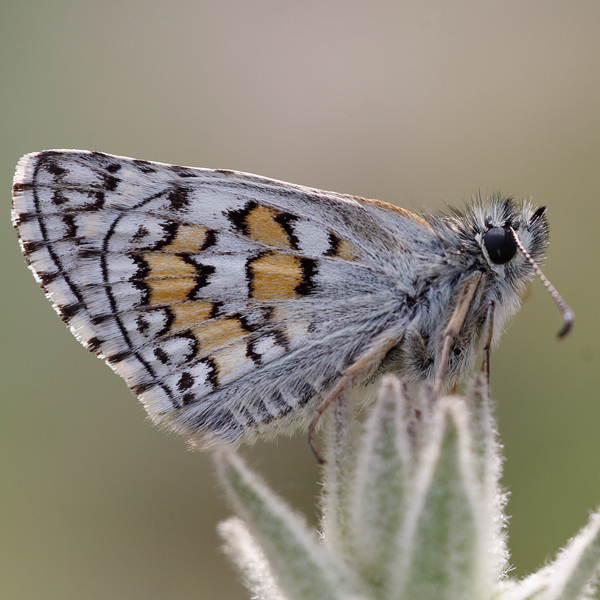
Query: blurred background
{"type": "Point", "coordinates": [419, 103]}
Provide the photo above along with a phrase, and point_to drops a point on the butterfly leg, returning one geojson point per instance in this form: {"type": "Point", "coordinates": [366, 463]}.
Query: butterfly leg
{"type": "Point", "coordinates": [366, 365]}
{"type": "Point", "coordinates": [454, 326]}
{"type": "Point", "coordinates": [488, 332]}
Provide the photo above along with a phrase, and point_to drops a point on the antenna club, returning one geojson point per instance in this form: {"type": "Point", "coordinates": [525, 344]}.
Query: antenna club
{"type": "Point", "coordinates": [567, 313]}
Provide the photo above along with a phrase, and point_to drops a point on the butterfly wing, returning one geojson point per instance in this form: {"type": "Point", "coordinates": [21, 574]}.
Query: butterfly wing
{"type": "Point", "coordinates": [225, 300]}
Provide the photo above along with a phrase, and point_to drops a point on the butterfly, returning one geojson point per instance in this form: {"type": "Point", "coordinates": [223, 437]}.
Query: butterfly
{"type": "Point", "coordinates": [233, 304]}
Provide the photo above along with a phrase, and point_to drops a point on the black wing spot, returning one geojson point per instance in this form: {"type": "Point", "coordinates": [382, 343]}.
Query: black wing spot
{"type": "Point", "coordinates": [213, 371]}
{"type": "Point", "coordinates": [142, 270]}
{"type": "Point", "coordinates": [309, 271]}
{"type": "Point", "coordinates": [239, 217]}
{"type": "Point", "coordinates": [252, 354]}
{"type": "Point", "coordinates": [179, 198]}
{"type": "Point", "coordinates": [68, 311]}
{"type": "Point", "coordinates": [170, 228]}
{"type": "Point", "coordinates": [244, 323]}
{"type": "Point", "coordinates": [142, 324]}
{"type": "Point", "coordinates": [280, 338]}
{"type": "Point", "coordinates": [48, 277]}
{"type": "Point", "coordinates": [33, 246]}
{"type": "Point", "coordinates": [194, 345]}
{"type": "Point", "coordinates": [25, 218]}
{"type": "Point", "coordinates": [144, 289]}
{"type": "Point", "coordinates": [94, 344]}
{"type": "Point", "coordinates": [334, 244]}
{"type": "Point", "coordinates": [99, 202]}
{"type": "Point", "coordinates": [58, 198]}
{"type": "Point", "coordinates": [249, 268]}
{"type": "Point", "coordinates": [186, 381]}
{"type": "Point", "coordinates": [210, 239]}
{"type": "Point", "coordinates": [203, 273]}
{"type": "Point", "coordinates": [140, 388]}
{"type": "Point", "coordinates": [99, 319]}
{"type": "Point", "coordinates": [170, 317]}
{"type": "Point", "coordinates": [188, 399]}
{"type": "Point", "coordinates": [215, 310]}
{"type": "Point", "coordinates": [182, 171]}
{"type": "Point", "coordinates": [286, 220]}
{"type": "Point", "coordinates": [144, 166]}
{"type": "Point", "coordinates": [20, 187]}
{"type": "Point", "coordinates": [52, 167]}
{"type": "Point", "coordinates": [119, 357]}
{"type": "Point", "coordinates": [162, 356]}
{"type": "Point", "coordinates": [140, 234]}
{"type": "Point", "coordinates": [111, 183]}
{"type": "Point", "coordinates": [70, 226]}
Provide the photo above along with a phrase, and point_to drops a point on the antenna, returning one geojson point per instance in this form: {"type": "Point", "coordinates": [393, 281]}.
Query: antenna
{"type": "Point", "coordinates": [565, 309]}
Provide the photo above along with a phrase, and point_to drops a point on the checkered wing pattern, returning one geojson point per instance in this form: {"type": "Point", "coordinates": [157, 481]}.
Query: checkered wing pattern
{"type": "Point", "coordinates": [225, 300]}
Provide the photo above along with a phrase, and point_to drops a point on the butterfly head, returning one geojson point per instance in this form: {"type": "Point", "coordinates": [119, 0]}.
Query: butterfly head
{"type": "Point", "coordinates": [512, 238]}
{"type": "Point", "coordinates": [499, 225]}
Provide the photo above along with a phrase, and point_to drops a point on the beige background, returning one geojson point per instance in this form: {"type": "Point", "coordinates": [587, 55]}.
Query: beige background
{"type": "Point", "coordinates": [413, 102]}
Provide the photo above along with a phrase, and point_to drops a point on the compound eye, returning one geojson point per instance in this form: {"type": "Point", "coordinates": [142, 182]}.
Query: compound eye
{"type": "Point", "coordinates": [500, 245]}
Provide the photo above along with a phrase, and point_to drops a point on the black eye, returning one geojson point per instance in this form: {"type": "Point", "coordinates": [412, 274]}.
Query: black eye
{"type": "Point", "coordinates": [500, 245]}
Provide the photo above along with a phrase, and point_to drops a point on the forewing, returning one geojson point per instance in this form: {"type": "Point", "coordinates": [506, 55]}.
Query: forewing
{"type": "Point", "coordinates": [226, 301]}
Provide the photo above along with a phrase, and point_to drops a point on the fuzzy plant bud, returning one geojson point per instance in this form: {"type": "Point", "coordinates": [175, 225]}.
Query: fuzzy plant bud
{"type": "Point", "coordinates": [412, 509]}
